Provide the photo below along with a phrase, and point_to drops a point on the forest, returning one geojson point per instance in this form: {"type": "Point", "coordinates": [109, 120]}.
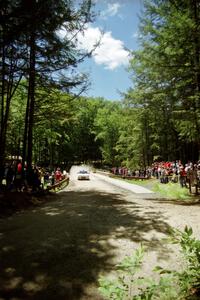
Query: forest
{"type": "Point", "coordinates": [46, 120]}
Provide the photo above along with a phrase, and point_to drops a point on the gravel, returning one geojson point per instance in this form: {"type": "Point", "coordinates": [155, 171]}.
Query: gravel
{"type": "Point", "coordinates": [59, 250]}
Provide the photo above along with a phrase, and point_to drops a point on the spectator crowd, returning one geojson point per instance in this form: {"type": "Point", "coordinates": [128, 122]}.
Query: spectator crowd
{"type": "Point", "coordinates": [17, 177]}
{"type": "Point", "coordinates": [187, 175]}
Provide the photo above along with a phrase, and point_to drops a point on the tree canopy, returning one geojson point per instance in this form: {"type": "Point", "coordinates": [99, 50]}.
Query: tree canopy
{"type": "Point", "coordinates": [41, 118]}
{"type": "Point", "coordinates": [33, 49]}
{"type": "Point", "coordinates": [166, 80]}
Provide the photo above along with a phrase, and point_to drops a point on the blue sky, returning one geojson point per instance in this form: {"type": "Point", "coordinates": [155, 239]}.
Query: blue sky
{"type": "Point", "coordinates": [118, 20]}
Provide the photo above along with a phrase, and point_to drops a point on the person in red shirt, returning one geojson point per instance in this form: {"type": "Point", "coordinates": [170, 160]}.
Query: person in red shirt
{"type": "Point", "coordinates": [182, 176]}
{"type": "Point", "coordinates": [58, 175]}
{"type": "Point", "coordinates": [18, 176]}
{"type": "Point", "coordinates": [19, 167]}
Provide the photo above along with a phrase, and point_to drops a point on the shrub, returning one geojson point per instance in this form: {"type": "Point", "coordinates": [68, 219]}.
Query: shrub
{"type": "Point", "coordinates": [172, 284]}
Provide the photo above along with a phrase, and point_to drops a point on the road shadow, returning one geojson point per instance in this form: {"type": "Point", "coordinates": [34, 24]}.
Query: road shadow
{"type": "Point", "coordinates": [58, 251]}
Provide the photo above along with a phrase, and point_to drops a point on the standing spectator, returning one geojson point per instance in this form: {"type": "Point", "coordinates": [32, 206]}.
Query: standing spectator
{"type": "Point", "coordinates": [10, 176]}
{"type": "Point", "coordinates": [19, 167]}
{"type": "Point", "coordinates": [25, 177]}
{"type": "Point", "coordinates": [18, 176]}
{"type": "Point", "coordinates": [198, 175]}
{"type": "Point", "coordinates": [174, 176]}
{"type": "Point", "coordinates": [41, 176]}
{"type": "Point", "coordinates": [58, 175]}
{"type": "Point", "coordinates": [192, 177]}
{"type": "Point", "coordinates": [195, 169]}
{"type": "Point", "coordinates": [182, 176]}
{"type": "Point", "coordinates": [36, 180]}
{"type": "Point", "coordinates": [137, 173]}
{"type": "Point", "coordinates": [1, 174]}
{"type": "Point", "coordinates": [65, 174]}
{"type": "Point", "coordinates": [46, 178]}
{"type": "Point", "coordinates": [165, 175]}
{"type": "Point", "coordinates": [52, 177]}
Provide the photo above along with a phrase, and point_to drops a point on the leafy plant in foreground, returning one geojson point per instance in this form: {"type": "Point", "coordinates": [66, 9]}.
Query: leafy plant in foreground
{"type": "Point", "coordinates": [121, 287]}
{"type": "Point", "coordinates": [189, 278]}
{"type": "Point", "coordinates": [172, 284]}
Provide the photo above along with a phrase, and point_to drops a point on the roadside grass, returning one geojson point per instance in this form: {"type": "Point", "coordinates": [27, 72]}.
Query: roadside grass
{"type": "Point", "coordinates": [172, 191]}
{"type": "Point", "coordinates": [142, 182]}
{"type": "Point", "coordinates": [169, 190]}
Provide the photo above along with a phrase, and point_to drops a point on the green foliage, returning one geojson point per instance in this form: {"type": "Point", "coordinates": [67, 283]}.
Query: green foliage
{"type": "Point", "coordinates": [32, 47]}
{"type": "Point", "coordinates": [120, 288]}
{"type": "Point", "coordinates": [160, 114]}
{"type": "Point", "coordinates": [130, 144]}
{"type": "Point", "coordinates": [171, 190]}
{"type": "Point", "coordinates": [189, 279]}
{"type": "Point", "coordinates": [172, 284]}
{"type": "Point", "coordinates": [166, 85]}
{"type": "Point", "coordinates": [107, 124]}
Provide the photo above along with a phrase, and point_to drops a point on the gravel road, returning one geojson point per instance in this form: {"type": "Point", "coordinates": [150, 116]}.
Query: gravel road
{"type": "Point", "coordinates": [59, 250]}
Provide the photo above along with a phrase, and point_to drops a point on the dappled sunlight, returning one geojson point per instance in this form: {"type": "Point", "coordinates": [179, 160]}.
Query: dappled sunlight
{"type": "Point", "coordinates": [52, 211]}
{"type": "Point", "coordinates": [32, 287]}
{"type": "Point", "coordinates": [40, 282]}
{"type": "Point", "coordinates": [8, 248]}
{"type": "Point", "coordinates": [62, 247]}
{"type": "Point", "coordinates": [12, 284]}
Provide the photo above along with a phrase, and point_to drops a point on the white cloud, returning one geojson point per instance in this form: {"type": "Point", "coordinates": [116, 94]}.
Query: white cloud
{"type": "Point", "coordinates": [110, 52]}
{"type": "Point", "coordinates": [111, 11]}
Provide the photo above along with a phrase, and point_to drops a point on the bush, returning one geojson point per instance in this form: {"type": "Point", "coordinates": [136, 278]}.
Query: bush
{"type": "Point", "coordinates": [172, 284]}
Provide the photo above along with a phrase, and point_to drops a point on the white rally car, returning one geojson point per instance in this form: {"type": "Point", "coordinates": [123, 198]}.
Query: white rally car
{"type": "Point", "coordinates": [83, 175]}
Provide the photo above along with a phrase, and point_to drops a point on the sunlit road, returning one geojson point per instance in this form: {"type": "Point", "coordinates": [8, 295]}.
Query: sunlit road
{"type": "Point", "coordinates": [100, 182]}
{"type": "Point", "coordinates": [59, 250]}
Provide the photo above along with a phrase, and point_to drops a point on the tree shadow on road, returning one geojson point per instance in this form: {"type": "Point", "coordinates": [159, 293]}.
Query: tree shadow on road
{"type": "Point", "coordinates": [58, 251]}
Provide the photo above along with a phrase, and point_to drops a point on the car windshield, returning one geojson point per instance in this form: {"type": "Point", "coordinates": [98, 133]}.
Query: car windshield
{"type": "Point", "coordinates": [83, 172]}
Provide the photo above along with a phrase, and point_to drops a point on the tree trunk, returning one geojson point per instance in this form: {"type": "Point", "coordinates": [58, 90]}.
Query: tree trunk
{"type": "Point", "coordinates": [2, 136]}
{"type": "Point", "coordinates": [8, 88]}
{"type": "Point", "coordinates": [31, 97]}
{"type": "Point", "coordinates": [24, 151]}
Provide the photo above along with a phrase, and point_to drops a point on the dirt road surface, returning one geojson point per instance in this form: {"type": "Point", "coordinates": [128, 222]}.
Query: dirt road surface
{"type": "Point", "coordinates": [58, 251]}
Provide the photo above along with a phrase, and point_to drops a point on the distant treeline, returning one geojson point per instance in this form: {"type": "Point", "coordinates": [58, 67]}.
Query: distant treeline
{"type": "Point", "coordinates": [158, 118]}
